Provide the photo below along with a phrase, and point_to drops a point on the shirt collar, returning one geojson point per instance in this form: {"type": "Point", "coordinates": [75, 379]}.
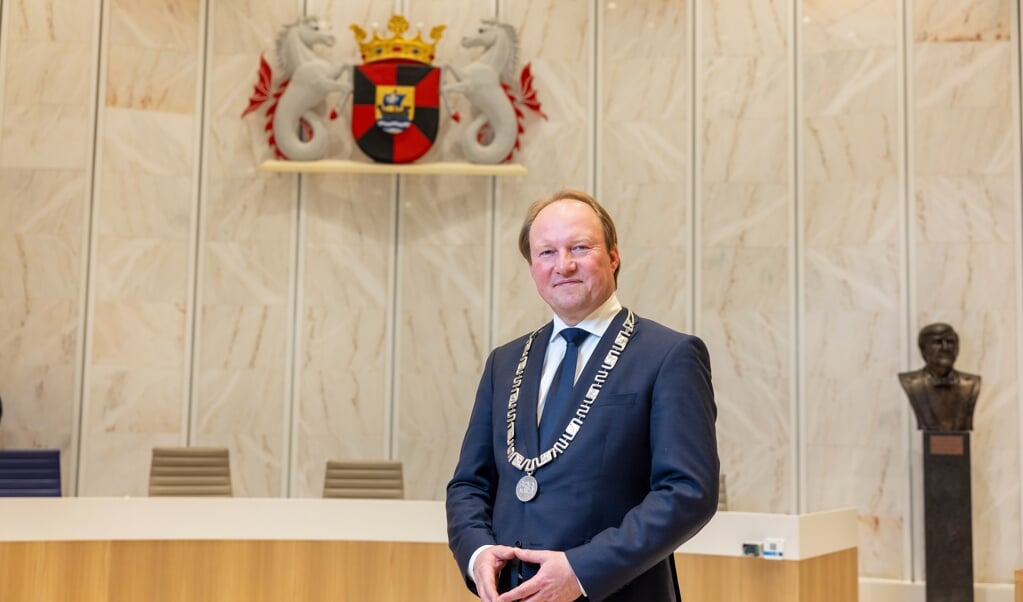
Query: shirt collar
{"type": "Point", "coordinates": [597, 322]}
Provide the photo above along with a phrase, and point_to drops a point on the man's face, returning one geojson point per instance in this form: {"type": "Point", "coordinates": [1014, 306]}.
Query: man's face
{"type": "Point", "coordinates": [569, 260]}
{"type": "Point", "coordinates": [940, 350]}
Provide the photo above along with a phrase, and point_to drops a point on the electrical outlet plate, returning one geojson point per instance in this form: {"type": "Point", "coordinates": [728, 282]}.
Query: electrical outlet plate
{"type": "Point", "coordinates": [774, 547]}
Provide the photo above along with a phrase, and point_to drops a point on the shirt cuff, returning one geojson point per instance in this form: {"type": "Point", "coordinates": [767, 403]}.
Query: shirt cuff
{"type": "Point", "coordinates": [472, 561]}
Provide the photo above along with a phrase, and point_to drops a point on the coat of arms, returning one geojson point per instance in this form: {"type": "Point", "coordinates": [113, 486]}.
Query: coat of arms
{"type": "Point", "coordinates": [396, 93]}
{"type": "Point", "coordinates": [396, 97]}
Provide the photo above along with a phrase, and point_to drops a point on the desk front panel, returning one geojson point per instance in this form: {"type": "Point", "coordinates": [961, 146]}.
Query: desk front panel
{"type": "Point", "coordinates": [831, 577]}
{"type": "Point", "coordinates": [308, 550]}
{"type": "Point", "coordinates": [227, 571]}
{"type": "Point", "coordinates": [329, 571]}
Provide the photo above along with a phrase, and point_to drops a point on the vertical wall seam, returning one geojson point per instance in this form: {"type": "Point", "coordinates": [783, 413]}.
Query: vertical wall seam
{"type": "Point", "coordinates": [293, 345]}
{"type": "Point", "coordinates": [594, 136]}
{"type": "Point", "coordinates": [393, 384]}
{"type": "Point", "coordinates": [292, 380]}
{"type": "Point", "coordinates": [907, 258]}
{"type": "Point", "coordinates": [87, 295]}
{"type": "Point", "coordinates": [695, 176]}
{"type": "Point", "coordinates": [291, 408]}
{"type": "Point", "coordinates": [493, 252]}
{"type": "Point", "coordinates": [797, 255]}
{"type": "Point", "coordinates": [490, 306]}
{"type": "Point", "coordinates": [196, 244]}
{"type": "Point", "coordinates": [5, 8]}
{"type": "Point", "coordinates": [1017, 56]}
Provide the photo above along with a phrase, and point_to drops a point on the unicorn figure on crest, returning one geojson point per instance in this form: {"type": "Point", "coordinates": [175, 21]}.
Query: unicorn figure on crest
{"type": "Point", "coordinates": [297, 132]}
{"type": "Point", "coordinates": [489, 84]}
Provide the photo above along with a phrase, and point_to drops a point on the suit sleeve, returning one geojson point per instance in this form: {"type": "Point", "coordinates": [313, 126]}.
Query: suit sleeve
{"type": "Point", "coordinates": [473, 488]}
{"type": "Point", "coordinates": [683, 479]}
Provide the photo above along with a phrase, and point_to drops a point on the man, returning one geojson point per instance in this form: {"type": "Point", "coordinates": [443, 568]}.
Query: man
{"type": "Point", "coordinates": [595, 509]}
{"type": "Point", "coordinates": [943, 399]}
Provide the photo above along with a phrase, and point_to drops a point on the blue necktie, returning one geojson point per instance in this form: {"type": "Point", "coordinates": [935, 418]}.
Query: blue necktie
{"type": "Point", "coordinates": [561, 387]}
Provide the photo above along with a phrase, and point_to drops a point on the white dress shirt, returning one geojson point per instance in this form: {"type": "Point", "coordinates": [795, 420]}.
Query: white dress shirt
{"type": "Point", "coordinates": [596, 324]}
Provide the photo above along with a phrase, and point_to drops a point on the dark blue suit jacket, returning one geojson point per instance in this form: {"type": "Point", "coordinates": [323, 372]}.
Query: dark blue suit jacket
{"type": "Point", "coordinates": [640, 478]}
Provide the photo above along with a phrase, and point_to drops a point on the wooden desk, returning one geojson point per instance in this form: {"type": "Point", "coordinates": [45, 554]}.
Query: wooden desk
{"type": "Point", "coordinates": [228, 571]}
{"type": "Point", "coordinates": [819, 563]}
{"type": "Point", "coordinates": [224, 550]}
{"type": "Point", "coordinates": [1019, 585]}
{"type": "Point", "coordinates": [313, 550]}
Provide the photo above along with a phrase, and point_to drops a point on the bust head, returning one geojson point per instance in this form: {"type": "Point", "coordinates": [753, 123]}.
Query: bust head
{"type": "Point", "coordinates": [943, 399]}
{"type": "Point", "coordinates": [939, 345]}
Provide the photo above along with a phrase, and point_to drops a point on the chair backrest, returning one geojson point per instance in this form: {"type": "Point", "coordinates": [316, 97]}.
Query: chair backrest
{"type": "Point", "coordinates": [30, 473]}
{"type": "Point", "coordinates": [190, 471]}
{"type": "Point", "coordinates": [358, 479]}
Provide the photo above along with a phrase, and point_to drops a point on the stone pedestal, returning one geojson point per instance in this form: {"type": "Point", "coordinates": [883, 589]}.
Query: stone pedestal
{"type": "Point", "coordinates": [948, 518]}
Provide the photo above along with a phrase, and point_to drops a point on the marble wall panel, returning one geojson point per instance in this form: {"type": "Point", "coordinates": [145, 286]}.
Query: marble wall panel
{"type": "Point", "coordinates": [643, 157]}
{"type": "Point", "coordinates": [48, 72]}
{"type": "Point", "coordinates": [27, 139]}
{"type": "Point", "coordinates": [343, 404]}
{"type": "Point", "coordinates": [854, 409]}
{"type": "Point", "coordinates": [557, 39]}
{"type": "Point", "coordinates": [48, 76]}
{"type": "Point", "coordinates": [51, 20]}
{"type": "Point", "coordinates": [344, 353]}
{"type": "Point", "coordinates": [965, 173]}
{"type": "Point", "coordinates": [46, 103]}
{"type": "Point", "coordinates": [129, 456]}
{"type": "Point", "coordinates": [243, 333]}
{"type": "Point", "coordinates": [245, 311]}
{"type": "Point", "coordinates": [753, 419]}
{"type": "Point", "coordinates": [140, 276]}
{"type": "Point", "coordinates": [743, 151]}
{"type": "Point", "coordinates": [440, 337]}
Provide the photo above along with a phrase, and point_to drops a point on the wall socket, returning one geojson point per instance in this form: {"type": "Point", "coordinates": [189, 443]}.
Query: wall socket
{"type": "Point", "coordinates": [774, 547]}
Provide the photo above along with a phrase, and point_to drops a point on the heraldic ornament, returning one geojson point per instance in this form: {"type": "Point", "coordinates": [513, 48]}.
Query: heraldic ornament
{"type": "Point", "coordinates": [396, 93]}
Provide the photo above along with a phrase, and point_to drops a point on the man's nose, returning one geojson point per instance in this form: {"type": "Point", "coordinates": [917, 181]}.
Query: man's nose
{"type": "Point", "coordinates": [566, 263]}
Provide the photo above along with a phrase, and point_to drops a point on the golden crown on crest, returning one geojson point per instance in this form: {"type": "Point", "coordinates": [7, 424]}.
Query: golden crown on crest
{"type": "Point", "coordinates": [397, 46]}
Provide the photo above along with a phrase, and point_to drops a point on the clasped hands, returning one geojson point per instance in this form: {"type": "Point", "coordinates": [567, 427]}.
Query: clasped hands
{"type": "Point", "coordinates": [554, 582]}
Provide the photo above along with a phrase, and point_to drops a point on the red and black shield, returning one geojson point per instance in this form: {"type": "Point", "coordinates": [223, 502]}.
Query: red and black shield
{"type": "Point", "coordinates": [395, 110]}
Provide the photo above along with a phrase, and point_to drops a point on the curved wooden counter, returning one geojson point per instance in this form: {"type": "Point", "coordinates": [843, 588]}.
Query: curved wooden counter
{"type": "Point", "coordinates": [224, 550]}
{"type": "Point", "coordinates": [313, 550]}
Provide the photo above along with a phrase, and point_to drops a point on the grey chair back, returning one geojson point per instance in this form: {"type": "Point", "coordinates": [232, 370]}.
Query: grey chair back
{"type": "Point", "coordinates": [190, 471]}
{"type": "Point", "coordinates": [364, 479]}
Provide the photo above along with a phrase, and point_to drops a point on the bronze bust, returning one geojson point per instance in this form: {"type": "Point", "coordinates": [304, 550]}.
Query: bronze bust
{"type": "Point", "coordinates": [942, 397]}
